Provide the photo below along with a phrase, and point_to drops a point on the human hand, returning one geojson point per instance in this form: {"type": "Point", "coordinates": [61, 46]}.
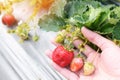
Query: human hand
{"type": "Point", "coordinates": [107, 63]}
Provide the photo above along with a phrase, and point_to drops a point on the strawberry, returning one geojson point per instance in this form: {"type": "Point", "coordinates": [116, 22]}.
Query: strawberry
{"type": "Point", "coordinates": [9, 20]}
{"type": "Point", "coordinates": [62, 56]}
{"type": "Point", "coordinates": [76, 64]}
{"type": "Point", "coordinates": [88, 68]}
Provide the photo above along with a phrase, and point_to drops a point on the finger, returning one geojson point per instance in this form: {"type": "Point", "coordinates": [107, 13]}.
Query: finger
{"type": "Point", "coordinates": [88, 50]}
{"type": "Point", "coordinates": [93, 58]}
{"type": "Point", "coordinates": [65, 72]}
{"type": "Point", "coordinates": [96, 39]}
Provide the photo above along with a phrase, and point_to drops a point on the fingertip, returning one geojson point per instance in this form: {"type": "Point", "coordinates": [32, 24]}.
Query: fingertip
{"type": "Point", "coordinates": [83, 29]}
{"type": "Point", "coordinates": [96, 39]}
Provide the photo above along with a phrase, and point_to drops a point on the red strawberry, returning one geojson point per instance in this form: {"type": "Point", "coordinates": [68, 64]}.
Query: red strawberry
{"type": "Point", "coordinates": [76, 64]}
{"type": "Point", "coordinates": [62, 57]}
{"type": "Point", "coordinates": [9, 20]}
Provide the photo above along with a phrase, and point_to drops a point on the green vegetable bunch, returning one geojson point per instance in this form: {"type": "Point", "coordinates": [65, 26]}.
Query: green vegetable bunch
{"type": "Point", "coordinates": [103, 19]}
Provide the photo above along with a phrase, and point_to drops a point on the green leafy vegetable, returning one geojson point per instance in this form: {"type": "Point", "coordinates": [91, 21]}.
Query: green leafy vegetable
{"type": "Point", "coordinates": [103, 19]}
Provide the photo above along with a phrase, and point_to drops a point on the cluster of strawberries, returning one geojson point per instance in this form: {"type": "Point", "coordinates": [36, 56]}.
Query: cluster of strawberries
{"type": "Point", "coordinates": [64, 58]}
{"type": "Point", "coordinates": [64, 55]}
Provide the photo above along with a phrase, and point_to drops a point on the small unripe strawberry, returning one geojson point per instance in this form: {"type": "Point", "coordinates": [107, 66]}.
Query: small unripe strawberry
{"type": "Point", "coordinates": [88, 68]}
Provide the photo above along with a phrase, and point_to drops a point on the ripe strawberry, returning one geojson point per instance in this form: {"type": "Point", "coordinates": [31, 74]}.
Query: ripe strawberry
{"type": "Point", "coordinates": [9, 20]}
{"type": "Point", "coordinates": [76, 64]}
{"type": "Point", "coordinates": [62, 57]}
{"type": "Point", "coordinates": [88, 68]}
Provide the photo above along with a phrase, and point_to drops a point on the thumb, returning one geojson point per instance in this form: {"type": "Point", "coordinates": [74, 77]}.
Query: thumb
{"type": "Point", "coordinates": [96, 39]}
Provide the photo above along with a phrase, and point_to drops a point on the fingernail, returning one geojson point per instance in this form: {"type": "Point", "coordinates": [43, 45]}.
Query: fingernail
{"type": "Point", "coordinates": [83, 29]}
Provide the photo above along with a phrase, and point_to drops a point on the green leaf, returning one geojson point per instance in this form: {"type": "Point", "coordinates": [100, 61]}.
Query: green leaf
{"type": "Point", "coordinates": [116, 12]}
{"type": "Point", "coordinates": [86, 19]}
{"type": "Point", "coordinates": [93, 16]}
{"type": "Point", "coordinates": [104, 15]}
{"type": "Point", "coordinates": [74, 7]}
{"type": "Point", "coordinates": [106, 29]}
{"type": "Point", "coordinates": [116, 32]}
{"type": "Point", "coordinates": [51, 23]}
